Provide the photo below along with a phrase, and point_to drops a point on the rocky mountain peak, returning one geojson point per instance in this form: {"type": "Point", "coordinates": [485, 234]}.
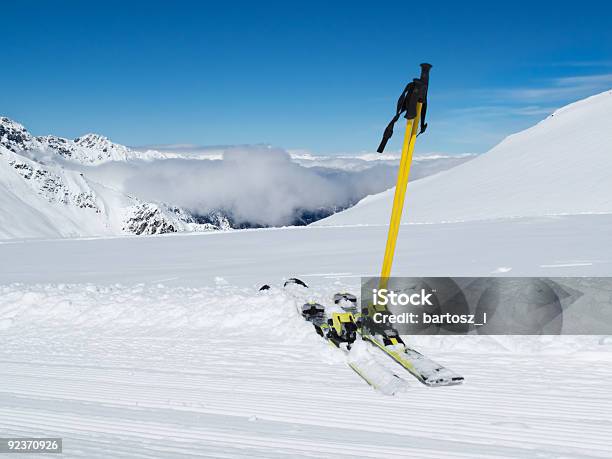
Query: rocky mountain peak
{"type": "Point", "coordinates": [91, 140]}
{"type": "Point", "coordinates": [104, 148]}
{"type": "Point", "coordinates": [13, 136]}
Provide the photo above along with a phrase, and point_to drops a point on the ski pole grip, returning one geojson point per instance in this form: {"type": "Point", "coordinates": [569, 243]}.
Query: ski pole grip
{"type": "Point", "coordinates": [425, 68]}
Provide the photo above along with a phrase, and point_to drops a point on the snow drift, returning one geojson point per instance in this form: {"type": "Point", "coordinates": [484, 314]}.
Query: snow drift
{"type": "Point", "coordinates": [562, 165]}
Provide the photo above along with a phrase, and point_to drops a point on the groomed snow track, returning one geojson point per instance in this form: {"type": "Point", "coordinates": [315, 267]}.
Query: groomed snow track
{"type": "Point", "coordinates": [153, 371]}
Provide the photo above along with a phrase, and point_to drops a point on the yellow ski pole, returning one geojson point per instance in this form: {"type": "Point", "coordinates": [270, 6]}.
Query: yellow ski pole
{"type": "Point", "coordinates": [399, 196]}
{"type": "Point", "coordinates": [413, 102]}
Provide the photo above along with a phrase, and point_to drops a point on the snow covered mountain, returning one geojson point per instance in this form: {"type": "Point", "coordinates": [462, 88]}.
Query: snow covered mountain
{"type": "Point", "coordinates": [39, 197]}
{"type": "Point", "coordinates": [91, 186]}
{"type": "Point", "coordinates": [562, 165]}
{"type": "Point", "coordinates": [89, 149]}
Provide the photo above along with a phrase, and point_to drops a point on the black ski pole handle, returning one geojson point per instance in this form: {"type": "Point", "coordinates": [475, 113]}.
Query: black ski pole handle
{"type": "Point", "coordinates": [407, 103]}
{"type": "Point", "coordinates": [425, 68]}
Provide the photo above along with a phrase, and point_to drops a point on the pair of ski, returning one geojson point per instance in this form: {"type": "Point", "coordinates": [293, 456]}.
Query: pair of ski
{"type": "Point", "coordinates": [340, 330]}
{"type": "Point", "coordinates": [343, 330]}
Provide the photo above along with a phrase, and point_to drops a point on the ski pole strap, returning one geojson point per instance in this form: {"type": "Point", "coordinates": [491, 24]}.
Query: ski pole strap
{"type": "Point", "coordinates": [401, 107]}
{"type": "Point", "coordinates": [414, 92]}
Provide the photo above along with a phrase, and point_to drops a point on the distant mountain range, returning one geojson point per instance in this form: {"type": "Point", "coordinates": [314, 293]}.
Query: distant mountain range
{"type": "Point", "coordinates": [49, 186]}
{"type": "Point", "coordinates": [41, 195]}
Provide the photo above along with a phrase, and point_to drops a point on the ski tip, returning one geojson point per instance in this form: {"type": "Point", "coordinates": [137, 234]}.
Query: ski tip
{"type": "Point", "coordinates": [264, 287]}
{"type": "Point", "coordinates": [296, 281]}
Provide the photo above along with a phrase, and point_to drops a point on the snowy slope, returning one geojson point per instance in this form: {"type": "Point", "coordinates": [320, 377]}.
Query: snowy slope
{"type": "Point", "coordinates": [42, 199]}
{"type": "Point", "coordinates": [562, 165]}
{"type": "Point", "coordinates": [577, 245]}
{"type": "Point", "coordinates": [43, 195]}
{"type": "Point", "coordinates": [162, 347]}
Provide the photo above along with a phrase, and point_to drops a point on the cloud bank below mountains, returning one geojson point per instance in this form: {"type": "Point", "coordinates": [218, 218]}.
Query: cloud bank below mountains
{"type": "Point", "coordinates": [256, 185]}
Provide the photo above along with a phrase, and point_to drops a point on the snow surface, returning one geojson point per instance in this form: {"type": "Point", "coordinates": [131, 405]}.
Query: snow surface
{"type": "Point", "coordinates": [162, 346]}
{"type": "Point", "coordinates": [577, 245]}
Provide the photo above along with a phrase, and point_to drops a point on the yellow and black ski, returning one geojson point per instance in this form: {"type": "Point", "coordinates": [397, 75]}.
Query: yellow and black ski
{"type": "Point", "coordinates": [390, 342]}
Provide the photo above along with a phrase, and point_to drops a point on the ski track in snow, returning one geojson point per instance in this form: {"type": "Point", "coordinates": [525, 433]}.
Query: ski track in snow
{"type": "Point", "coordinates": [565, 265]}
{"type": "Point", "coordinates": [162, 347]}
{"type": "Point", "coordinates": [157, 371]}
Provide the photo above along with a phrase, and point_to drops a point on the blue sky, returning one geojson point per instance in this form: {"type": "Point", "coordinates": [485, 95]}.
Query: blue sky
{"type": "Point", "coordinates": [322, 76]}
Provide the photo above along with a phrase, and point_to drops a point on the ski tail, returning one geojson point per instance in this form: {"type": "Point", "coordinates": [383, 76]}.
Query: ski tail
{"type": "Point", "coordinates": [376, 375]}
{"type": "Point", "coordinates": [421, 367]}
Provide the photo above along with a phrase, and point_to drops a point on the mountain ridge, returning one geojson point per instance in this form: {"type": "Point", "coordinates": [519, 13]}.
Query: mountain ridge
{"type": "Point", "coordinates": [43, 198]}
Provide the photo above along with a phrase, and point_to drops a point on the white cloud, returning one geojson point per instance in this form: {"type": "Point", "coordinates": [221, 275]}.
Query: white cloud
{"type": "Point", "coordinates": [593, 63]}
{"type": "Point", "coordinates": [257, 184]}
{"type": "Point", "coordinates": [504, 110]}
